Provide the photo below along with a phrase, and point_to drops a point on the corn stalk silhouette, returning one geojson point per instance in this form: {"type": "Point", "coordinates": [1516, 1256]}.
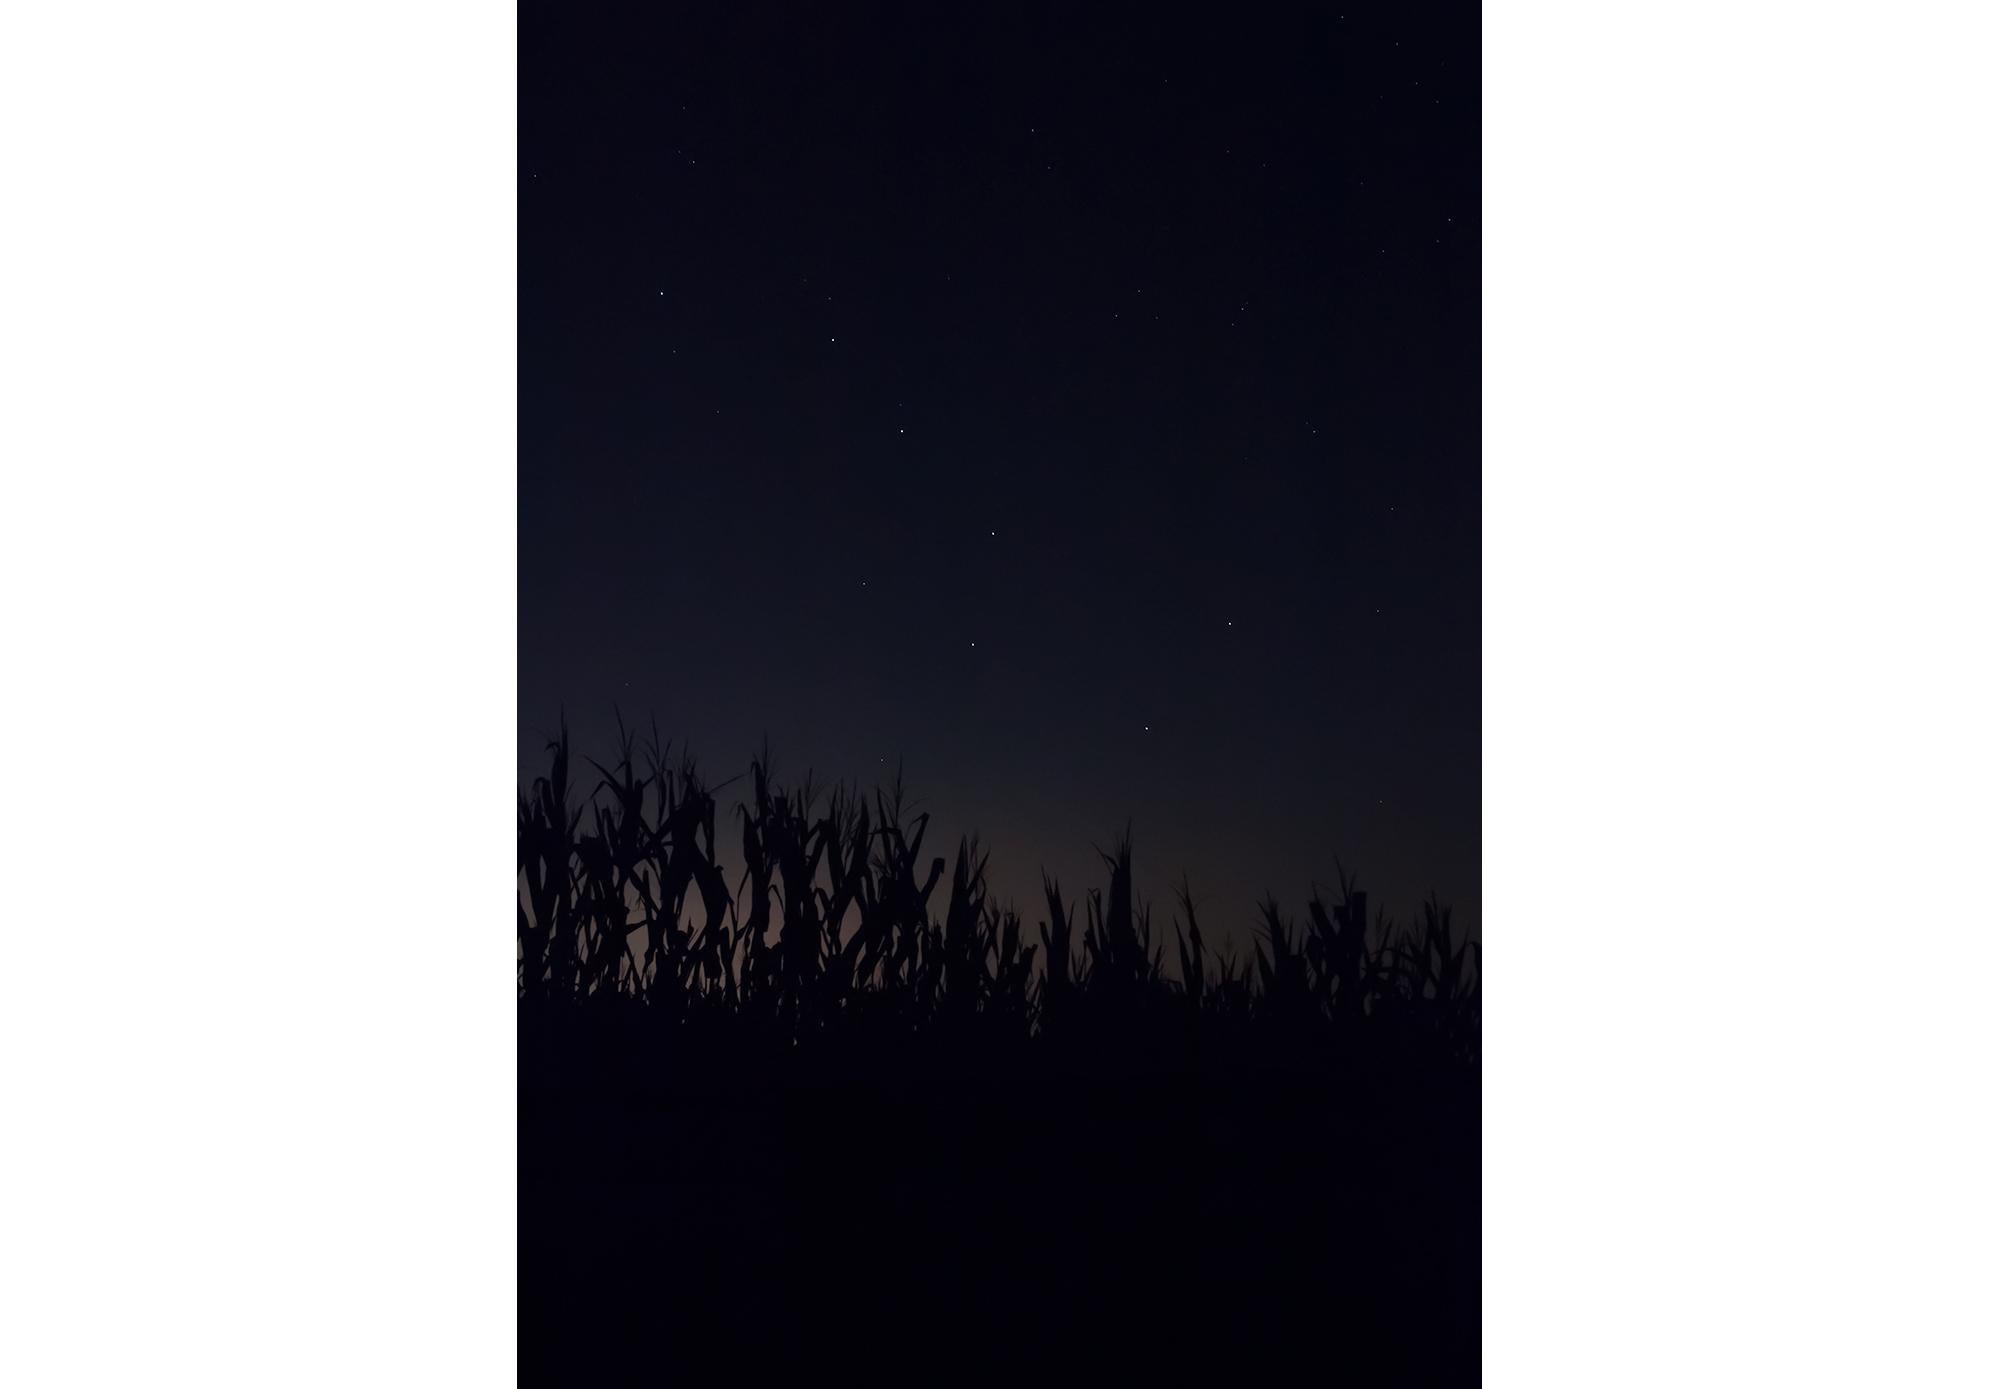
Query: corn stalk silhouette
{"type": "Point", "coordinates": [835, 922]}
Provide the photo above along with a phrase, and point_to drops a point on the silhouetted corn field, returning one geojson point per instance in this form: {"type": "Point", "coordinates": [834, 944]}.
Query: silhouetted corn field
{"type": "Point", "coordinates": [836, 920]}
{"type": "Point", "coordinates": [806, 1098]}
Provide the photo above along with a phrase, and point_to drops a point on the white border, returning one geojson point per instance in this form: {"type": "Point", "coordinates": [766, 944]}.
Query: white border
{"type": "Point", "coordinates": [257, 551]}
{"type": "Point", "coordinates": [1740, 694]}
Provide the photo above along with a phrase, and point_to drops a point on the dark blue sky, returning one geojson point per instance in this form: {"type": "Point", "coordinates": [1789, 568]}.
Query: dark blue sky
{"type": "Point", "coordinates": [1082, 408]}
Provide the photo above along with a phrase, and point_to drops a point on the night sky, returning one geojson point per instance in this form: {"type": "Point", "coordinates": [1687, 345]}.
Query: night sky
{"type": "Point", "coordinates": [1081, 409]}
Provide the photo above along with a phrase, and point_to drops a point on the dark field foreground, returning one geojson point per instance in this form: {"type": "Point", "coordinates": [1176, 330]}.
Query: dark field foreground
{"type": "Point", "coordinates": [905, 1212]}
{"type": "Point", "coordinates": [806, 1121]}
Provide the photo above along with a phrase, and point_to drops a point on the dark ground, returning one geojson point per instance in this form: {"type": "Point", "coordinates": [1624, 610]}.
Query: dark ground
{"type": "Point", "coordinates": [939, 1211]}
